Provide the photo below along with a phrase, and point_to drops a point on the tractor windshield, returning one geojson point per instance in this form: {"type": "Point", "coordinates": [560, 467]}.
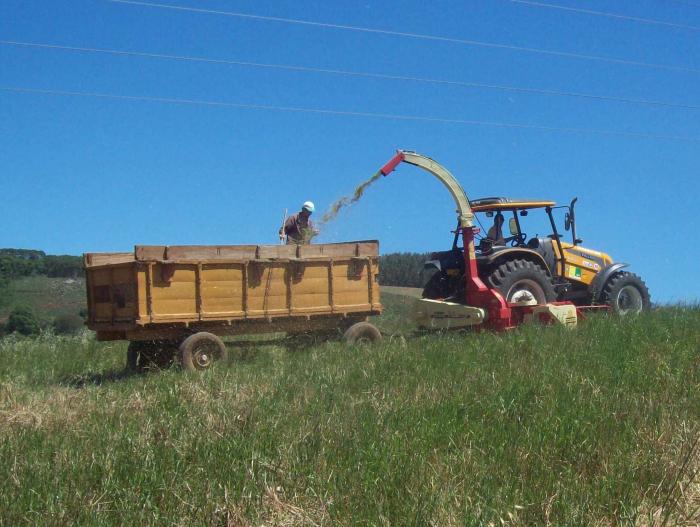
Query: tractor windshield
{"type": "Point", "coordinates": [514, 227]}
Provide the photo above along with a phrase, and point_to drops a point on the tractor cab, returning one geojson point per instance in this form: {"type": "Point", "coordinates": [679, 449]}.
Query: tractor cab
{"type": "Point", "coordinates": [502, 221]}
{"type": "Point", "coordinates": [511, 229]}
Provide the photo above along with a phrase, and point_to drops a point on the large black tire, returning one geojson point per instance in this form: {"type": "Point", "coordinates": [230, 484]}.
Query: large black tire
{"type": "Point", "coordinates": [362, 333]}
{"type": "Point", "coordinates": [199, 351]}
{"type": "Point", "coordinates": [440, 286]}
{"type": "Point", "coordinates": [518, 275]}
{"type": "Point", "coordinates": [436, 287]}
{"type": "Point", "coordinates": [626, 293]}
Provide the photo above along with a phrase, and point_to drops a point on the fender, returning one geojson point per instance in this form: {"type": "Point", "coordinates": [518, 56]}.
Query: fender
{"type": "Point", "coordinates": [601, 279]}
{"type": "Point", "coordinates": [509, 253]}
{"type": "Point", "coordinates": [432, 264]}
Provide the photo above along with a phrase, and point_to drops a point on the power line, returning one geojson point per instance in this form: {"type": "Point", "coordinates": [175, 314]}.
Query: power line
{"type": "Point", "coordinates": [684, 2]}
{"type": "Point", "coordinates": [345, 113]}
{"type": "Point", "coordinates": [306, 69]}
{"type": "Point", "coordinates": [479, 43]}
{"type": "Point", "coordinates": [605, 14]}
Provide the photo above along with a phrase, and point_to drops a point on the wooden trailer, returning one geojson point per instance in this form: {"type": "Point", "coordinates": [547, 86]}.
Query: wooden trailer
{"type": "Point", "coordinates": [177, 301]}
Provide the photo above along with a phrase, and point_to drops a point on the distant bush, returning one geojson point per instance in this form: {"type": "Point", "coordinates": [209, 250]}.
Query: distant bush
{"type": "Point", "coordinates": [68, 324]}
{"type": "Point", "coordinates": [22, 320]}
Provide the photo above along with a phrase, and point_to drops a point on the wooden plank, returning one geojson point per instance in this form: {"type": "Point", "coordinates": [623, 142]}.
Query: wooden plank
{"type": "Point", "coordinates": [370, 281]}
{"type": "Point", "coordinates": [113, 306]}
{"type": "Point", "coordinates": [330, 285]}
{"type": "Point", "coordinates": [149, 252]}
{"type": "Point", "coordinates": [245, 288]}
{"type": "Point", "coordinates": [368, 248]}
{"type": "Point", "coordinates": [98, 259]}
{"type": "Point", "coordinates": [276, 251]}
{"type": "Point", "coordinates": [210, 252]}
{"type": "Point", "coordinates": [149, 291]}
{"type": "Point", "coordinates": [198, 290]}
{"type": "Point", "coordinates": [288, 276]}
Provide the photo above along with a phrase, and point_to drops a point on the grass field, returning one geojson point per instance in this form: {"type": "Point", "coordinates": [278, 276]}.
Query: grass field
{"type": "Point", "coordinates": [538, 426]}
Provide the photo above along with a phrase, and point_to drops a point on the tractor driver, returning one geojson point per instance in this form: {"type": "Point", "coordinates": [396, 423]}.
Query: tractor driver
{"type": "Point", "coordinates": [495, 233]}
{"type": "Point", "coordinates": [298, 228]}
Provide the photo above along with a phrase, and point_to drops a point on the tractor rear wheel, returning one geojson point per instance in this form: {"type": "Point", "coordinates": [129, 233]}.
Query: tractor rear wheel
{"type": "Point", "coordinates": [436, 287]}
{"type": "Point", "coordinates": [514, 277]}
{"type": "Point", "coordinates": [626, 293]}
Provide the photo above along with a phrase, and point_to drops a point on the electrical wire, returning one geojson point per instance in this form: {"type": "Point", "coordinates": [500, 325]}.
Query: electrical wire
{"type": "Point", "coordinates": [479, 43]}
{"type": "Point", "coordinates": [605, 14]}
{"type": "Point", "coordinates": [306, 69]}
{"type": "Point", "coordinates": [399, 117]}
{"type": "Point", "coordinates": [684, 2]}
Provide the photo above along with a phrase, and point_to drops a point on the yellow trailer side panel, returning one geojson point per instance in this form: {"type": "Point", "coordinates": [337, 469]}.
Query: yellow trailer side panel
{"type": "Point", "coordinates": [230, 283]}
{"type": "Point", "coordinates": [267, 288]}
{"type": "Point", "coordinates": [222, 290]}
{"type": "Point", "coordinates": [310, 289]}
{"type": "Point", "coordinates": [173, 298]}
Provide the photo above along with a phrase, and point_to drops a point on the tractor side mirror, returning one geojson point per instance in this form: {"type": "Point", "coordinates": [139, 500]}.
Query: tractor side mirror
{"type": "Point", "coordinates": [567, 221]}
{"type": "Point", "coordinates": [513, 226]}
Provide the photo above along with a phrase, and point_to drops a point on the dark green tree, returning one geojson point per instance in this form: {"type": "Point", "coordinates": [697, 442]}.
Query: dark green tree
{"type": "Point", "coordinates": [402, 269]}
{"type": "Point", "coordinates": [22, 320]}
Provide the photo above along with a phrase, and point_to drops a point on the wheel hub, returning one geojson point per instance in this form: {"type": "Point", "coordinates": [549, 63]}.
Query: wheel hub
{"type": "Point", "coordinates": [629, 300]}
{"type": "Point", "coordinates": [202, 359]}
{"type": "Point", "coordinates": [526, 289]}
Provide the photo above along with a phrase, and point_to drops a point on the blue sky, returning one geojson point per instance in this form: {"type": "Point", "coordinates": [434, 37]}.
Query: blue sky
{"type": "Point", "coordinates": [83, 174]}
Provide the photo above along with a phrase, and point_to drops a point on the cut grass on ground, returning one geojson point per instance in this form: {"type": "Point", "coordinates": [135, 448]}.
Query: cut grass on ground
{"type": "Point", "coordinates": [538, 426]}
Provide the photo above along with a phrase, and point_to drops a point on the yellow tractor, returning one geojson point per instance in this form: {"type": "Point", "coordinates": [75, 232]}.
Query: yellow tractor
{"type": "Point", "coordinates": [545, 268]}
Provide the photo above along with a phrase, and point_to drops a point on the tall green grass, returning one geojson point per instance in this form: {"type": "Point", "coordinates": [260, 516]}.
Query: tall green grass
{"type": "Point", "coordinates": [537, 426]}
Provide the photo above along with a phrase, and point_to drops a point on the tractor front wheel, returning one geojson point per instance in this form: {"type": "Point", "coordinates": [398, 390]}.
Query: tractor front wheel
{"type": "Point", "coordinates": [626, 293]}
{"type": "Point", "coordinates": [515, 277]}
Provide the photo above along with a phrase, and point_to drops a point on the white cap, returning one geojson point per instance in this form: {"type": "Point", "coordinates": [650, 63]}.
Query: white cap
{"type": "Point", "coordinates": [308, 205]}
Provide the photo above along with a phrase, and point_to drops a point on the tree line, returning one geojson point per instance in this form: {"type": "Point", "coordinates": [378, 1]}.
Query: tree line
{"type": "Point", "coordinates": [17, 263]}
{"type": "Point", "coordinates": [398, 269]}
{"type": "Point", "coordinates": [402, 269]}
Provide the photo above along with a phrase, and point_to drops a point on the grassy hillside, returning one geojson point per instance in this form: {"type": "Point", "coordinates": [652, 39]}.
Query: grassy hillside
{"type": "Point", "coordinates": [48, 296]}
{"type": "Point", "coordinates": [539, 426]}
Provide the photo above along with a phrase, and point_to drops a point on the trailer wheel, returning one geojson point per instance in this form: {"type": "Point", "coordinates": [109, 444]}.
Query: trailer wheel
{"type": "Point", "coordinates": [362, 333]}
{"type": "Point", "coordinates": [200, 351]}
